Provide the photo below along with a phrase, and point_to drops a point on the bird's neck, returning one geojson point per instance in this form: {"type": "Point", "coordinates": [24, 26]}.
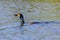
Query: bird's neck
{"type": "Point", "coordinates": [22, 23]}
{"type": "Point", "coordinates": [22, 20]}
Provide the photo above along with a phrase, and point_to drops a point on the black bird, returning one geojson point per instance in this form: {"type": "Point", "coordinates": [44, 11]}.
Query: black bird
{"type": "Point", "coordinates": [22, 19]}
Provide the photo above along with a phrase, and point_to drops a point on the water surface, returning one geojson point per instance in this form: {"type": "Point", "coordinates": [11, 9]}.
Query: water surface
{"type": "Point", "coordinates": [10, 28]}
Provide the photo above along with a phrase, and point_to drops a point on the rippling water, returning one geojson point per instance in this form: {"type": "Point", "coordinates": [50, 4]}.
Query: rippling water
{"type": "Point", "coordinates": [10, 28]}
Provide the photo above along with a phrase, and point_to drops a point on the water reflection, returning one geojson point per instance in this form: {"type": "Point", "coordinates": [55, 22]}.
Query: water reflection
{"type": "Point", "coordinates": [21, 29]}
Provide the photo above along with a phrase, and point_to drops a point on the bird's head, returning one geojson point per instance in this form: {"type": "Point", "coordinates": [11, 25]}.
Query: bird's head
{"type": "Point", "coordinates": [19, 15]}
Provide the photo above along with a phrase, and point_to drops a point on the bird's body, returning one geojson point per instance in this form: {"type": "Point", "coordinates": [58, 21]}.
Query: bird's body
{"type": "Point", "coordinates": [23, 22]}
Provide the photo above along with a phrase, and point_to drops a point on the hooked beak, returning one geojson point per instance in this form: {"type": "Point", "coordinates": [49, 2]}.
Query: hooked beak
{"type": "Point", "coordinates": [17, 15]}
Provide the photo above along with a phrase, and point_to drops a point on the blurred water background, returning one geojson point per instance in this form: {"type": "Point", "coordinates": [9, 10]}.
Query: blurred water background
{"type": "Point", "coordinates": [33, 10]}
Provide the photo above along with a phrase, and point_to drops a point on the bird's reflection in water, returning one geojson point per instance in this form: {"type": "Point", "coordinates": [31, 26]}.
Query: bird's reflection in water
{"type": "Point", "coordinates": [22, 30]}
